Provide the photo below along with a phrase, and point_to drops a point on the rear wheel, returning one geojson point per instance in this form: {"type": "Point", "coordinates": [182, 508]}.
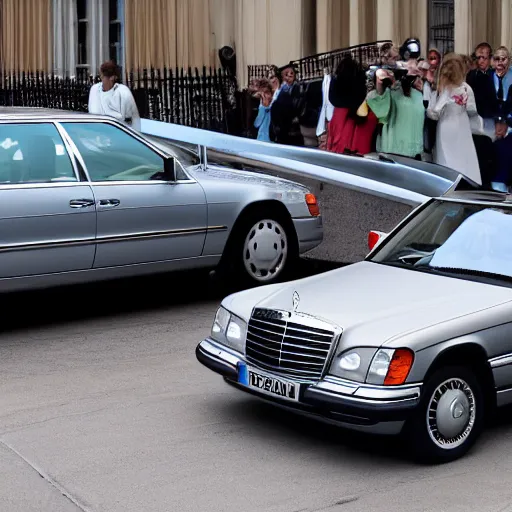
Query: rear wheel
{"type": "Point", "coordinates": [262, 250]}
{"type": "Point", "coordinates": [450, 416]}
{"type": "Point", "coordinates": [265, 251]}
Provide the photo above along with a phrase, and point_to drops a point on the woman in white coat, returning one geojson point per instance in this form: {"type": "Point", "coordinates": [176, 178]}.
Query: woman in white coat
{"type": "Point", "coordinates": [453, 106]}
{"type": "Point", "coordinates": [112, 99]}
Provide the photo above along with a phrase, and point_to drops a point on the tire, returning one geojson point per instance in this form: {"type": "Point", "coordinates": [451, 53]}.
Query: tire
{"type": "Point", "coordinates": [437, 437]}
{"type": "Point", "coordinates": [263, 250]}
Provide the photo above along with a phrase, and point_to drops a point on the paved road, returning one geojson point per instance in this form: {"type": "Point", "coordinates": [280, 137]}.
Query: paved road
{"type": "Point", "coordinates": [103, 407]}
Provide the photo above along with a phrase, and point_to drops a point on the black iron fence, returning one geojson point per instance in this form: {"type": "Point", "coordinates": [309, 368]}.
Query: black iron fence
{"type": "Point", "coordinates": [200, 98]}
{"type": "Point", "coordinates": [206, 98]}
{"type": "Point", "coordinates": [313, 66]}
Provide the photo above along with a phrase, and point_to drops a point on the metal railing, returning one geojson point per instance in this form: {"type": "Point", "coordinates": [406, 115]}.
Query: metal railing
{"type": "Point", "coordinates": [192, 97]}
{"type": "Point", "coordinates": [313, 66]}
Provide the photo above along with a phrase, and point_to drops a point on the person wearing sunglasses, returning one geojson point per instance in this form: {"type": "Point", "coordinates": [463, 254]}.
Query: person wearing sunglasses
{"type": "Point", "coordinates": [502, 81]}
{"type": "Point", "coordinates": [480, 79]}
{"type": "Point", "coordinates": [483, 54]}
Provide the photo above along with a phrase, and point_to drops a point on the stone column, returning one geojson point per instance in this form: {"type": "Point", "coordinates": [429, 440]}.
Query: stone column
{"type": "Point", "coordinates": [355, 32]}
{"type": "Point", "coordinates": [463, 26]}
{"type": "Point", "coordinates": [420, 24]}
{"type": "Point", "coordinates": [332, 25]}
{"type": "Point", "coordinates": [385, 20]}
{"type": "Point", "coordinates": [222, 25]}
{"type": "Point", "coordinates": [272, 32]}
{"type": "Point", "coordinates": [506, 18]}
{"type": "Point", "coordinates": [368, 20]}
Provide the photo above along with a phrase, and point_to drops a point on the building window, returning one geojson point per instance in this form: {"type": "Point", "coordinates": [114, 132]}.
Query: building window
{"type": "Point", "coordinates": [83, 22]}
{"type": "Point", "coordinates": [100, 33]}
{"type": "Point", "coordinates": [441, 24]}
{"type": "Point", "coordinates": [115, 32]}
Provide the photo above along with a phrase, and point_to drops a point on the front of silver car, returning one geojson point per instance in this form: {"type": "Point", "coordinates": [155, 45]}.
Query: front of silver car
{"type": "Point", "coordinates": [351, 345]}
{"type": "Point", "coordinates": [223, 184]}
{"type": "Point", "coordinates": [341, 344]}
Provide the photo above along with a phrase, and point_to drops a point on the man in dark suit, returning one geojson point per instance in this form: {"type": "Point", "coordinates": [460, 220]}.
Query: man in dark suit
{"type": "Point", "coordinates": [481, 81]}
{"type": "Point", "coordinates": [286, 109]}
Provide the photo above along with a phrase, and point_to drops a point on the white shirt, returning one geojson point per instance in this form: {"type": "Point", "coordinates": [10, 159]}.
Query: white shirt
{"type": "Point", "coordinates": [327, 109]}
{"type": "Point", "coordinates": [118, 103]}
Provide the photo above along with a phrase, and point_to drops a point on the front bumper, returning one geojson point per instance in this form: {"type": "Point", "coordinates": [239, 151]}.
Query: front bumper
{"type": "Point", "coordinates": [376, 409]}
{"type": "Point", "coordinates": [310, 232]}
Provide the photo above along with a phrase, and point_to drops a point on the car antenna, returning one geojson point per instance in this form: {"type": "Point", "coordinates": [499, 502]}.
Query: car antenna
{"type": "Point", "coordinates": [204, 158]}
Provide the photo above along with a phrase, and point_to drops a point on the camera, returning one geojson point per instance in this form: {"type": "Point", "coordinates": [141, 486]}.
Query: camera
{"type": "Point", "coordinates": [411, 49]}
{"type": "Point", "coordinates": [387, 82]}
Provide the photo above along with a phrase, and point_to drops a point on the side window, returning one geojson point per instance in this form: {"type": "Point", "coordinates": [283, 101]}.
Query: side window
{"type": "Point", "coordinates": [33, 153]}
{"type": "Point", "coordinates": [111, 154]}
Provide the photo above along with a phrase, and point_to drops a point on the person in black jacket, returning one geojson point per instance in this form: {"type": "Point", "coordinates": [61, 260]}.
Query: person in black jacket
{"type": "Point", "coordinates": [286, 109]}
{"type": "Point", "coordinates": [348, 131]}
{"type": "Point", "coordinates": [480, 80]}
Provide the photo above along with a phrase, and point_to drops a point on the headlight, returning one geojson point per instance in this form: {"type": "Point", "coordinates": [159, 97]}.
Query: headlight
{"type": "Point", "coordinates": [390, 367]}
{"type": "Point", "coordinates": [229, 330]}
{"type": "Point", "coordinates": [353, 364]}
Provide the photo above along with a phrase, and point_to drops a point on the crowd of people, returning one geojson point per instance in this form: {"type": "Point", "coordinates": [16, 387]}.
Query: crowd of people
{"type": "Point", "coordinates": [452, 109]}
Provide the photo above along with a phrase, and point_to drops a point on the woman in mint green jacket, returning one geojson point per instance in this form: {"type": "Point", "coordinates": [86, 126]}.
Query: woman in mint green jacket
{"type": "Point", "coordinates": [399, 107]}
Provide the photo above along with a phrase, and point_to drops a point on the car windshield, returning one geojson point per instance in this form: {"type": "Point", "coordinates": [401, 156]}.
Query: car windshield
{"type": "Point", "coordinates": [464, 240]}
{"type": "Point", "coordinates": [186, 153]}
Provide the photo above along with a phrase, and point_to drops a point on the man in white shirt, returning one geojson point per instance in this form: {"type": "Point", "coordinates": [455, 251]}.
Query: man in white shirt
{"type": "Point", "coordinates": [112, 99]}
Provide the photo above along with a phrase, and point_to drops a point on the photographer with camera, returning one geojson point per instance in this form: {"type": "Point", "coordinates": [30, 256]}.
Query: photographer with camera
{"type": "Point", "coordinates": [397, 101]}
{"type": "Point", "coordinates": [262, 90]}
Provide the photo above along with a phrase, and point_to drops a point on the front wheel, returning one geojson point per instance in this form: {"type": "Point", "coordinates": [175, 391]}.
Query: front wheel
{"type": "Point", "coordinates": [450, 416]}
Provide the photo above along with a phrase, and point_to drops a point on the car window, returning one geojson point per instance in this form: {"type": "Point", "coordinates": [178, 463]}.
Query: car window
{"type": "Point", "coordinates": [33, 153]}
{"type": "Point", "coordinates": [111, 154]}
{"type": "Point", "coordinates": [467, 240]}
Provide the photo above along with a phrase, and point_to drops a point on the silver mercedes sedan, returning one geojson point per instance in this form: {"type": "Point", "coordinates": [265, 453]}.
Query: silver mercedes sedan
{"type": "Point", "coordinates": [85, 198]}
{"type": "Point", "coordinates": [414, 340]}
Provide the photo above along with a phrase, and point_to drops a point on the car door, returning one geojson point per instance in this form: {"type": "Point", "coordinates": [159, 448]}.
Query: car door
{"type": "Point", "coordinates": [142, 217]}
{"type": "Point", "coordinates": [47, 216]}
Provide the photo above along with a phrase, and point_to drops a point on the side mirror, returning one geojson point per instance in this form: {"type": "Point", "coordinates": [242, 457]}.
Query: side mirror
{"type": "Point", "coordinates": [170, 169]}
{"type": "Point", "coordinates": [374, 238]}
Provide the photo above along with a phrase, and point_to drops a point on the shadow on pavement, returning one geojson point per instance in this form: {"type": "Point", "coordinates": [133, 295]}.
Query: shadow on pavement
{"type": "Point", "coordinates": [108, 298]}
{"type": "Point", "coordinates": [342, 443]}
{"type": "Point", "coordinates": [275, 423]}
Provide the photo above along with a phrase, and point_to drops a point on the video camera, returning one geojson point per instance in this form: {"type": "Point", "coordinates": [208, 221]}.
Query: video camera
{"type": "Point", "coordinates": [410, 49]}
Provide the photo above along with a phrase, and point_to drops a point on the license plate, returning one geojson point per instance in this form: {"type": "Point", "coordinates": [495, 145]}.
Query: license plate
{"type": "Point", "coordinates": [255, 379]}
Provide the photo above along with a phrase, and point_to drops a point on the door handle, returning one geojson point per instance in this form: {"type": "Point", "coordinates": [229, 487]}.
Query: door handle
{"type": "Point", "coordinates": [81, 203]}
{"type": "Point", "coordinates": [109, 202]}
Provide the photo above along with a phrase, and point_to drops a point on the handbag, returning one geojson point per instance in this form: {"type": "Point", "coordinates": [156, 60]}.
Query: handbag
{"type": "Point", "coordinates": [362, 111]}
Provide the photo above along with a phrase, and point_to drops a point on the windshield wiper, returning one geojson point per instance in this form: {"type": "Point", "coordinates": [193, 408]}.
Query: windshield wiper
{"type": "Point", "coordinates": [466, 272]}
{"type": "Point", "coordinates": [411, 259]}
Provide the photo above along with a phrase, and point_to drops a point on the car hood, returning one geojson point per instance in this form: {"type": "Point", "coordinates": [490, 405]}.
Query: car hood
{"type": "Point", "coordinates": [376, 304]}
{"type": "Point", "coordinates": [245, 178]}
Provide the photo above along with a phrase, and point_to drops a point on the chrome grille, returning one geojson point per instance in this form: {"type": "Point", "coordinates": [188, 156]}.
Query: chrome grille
{"type": "Point", "coordinates": [288, 344]}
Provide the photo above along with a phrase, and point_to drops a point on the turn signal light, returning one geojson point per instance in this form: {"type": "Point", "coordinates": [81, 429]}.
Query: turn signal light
{"type": "Point", "coordinates": [312, 203]}
{"type": "Point", "coordinates": [373, 238]}
{"type": "Point", "coordinates": [399, 367]}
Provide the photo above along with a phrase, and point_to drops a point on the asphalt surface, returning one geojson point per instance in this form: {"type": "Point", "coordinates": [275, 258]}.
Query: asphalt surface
{"type": "Point", "coordinates": [103, 407]}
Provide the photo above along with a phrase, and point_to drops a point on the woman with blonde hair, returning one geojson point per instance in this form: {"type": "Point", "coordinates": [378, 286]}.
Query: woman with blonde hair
{"type": "Point", "coordinates": [453, 106]}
